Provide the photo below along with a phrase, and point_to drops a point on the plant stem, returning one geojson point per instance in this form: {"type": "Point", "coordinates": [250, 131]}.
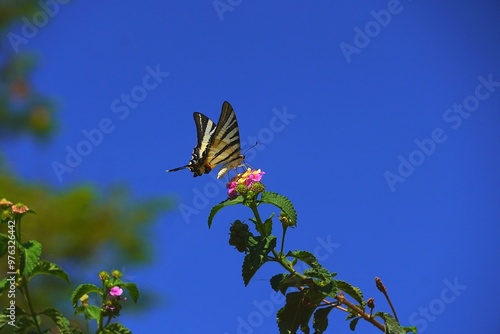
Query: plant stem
{"type": "Point", "coordinates": [360, 312]}
{"type": "Point", "coordinates": [381, 287]}
{"type": "Point", "coordinates": [283, 239]}
{"type": "Point", "coordinates": [30, 305]}
{"type": "Point", "coordinates": [24, 284]}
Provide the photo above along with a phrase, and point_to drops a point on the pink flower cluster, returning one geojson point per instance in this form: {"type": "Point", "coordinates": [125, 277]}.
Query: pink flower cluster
{"type": "Point", "coordinates": [116, 291]}
{"type": "Point", "coordinates": [247, 178]}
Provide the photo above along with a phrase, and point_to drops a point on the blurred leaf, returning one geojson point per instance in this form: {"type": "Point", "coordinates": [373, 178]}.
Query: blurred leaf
{"type": "Point", "coordinates": [30, 256]}
{"type": "Point", "coordinates": [116, 328]}
{"type": "Point", "coordinates": [132, 291]}
{"type": "Point", "coordinates": [57, 317]}
{"type": "Point", "coordinates": [353, 323]}
{"type": "Point", "coordinates": [81, 290]}
{"type": "Point", "coordinates": [49, 268]}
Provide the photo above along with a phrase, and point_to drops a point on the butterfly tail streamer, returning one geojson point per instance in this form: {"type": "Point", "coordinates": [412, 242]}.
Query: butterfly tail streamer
{"type": "Point", "coordinates": [176, 169]}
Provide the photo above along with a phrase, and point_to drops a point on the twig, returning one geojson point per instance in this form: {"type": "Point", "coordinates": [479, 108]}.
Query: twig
{"type": "Point", "coordinates": [360, 312]}
{"type": "Point", "coordinates": [381, 287]}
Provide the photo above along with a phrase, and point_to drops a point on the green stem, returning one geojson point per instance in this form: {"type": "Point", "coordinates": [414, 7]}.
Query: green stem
{"type": "Point", "coordinates": [258, 220]}
{"type": "Point", "coordinates": [283, 239]}
{"type": "Point", "coordinates": [101, 316]}
{"type": "Point", "coordinates": [24, 285]}
{"type": "Point", "coordinates": [30, 305]}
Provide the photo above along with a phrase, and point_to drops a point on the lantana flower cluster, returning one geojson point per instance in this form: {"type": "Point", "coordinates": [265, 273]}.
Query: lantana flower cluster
{"type": "Point", "coordinates": [244, 182]}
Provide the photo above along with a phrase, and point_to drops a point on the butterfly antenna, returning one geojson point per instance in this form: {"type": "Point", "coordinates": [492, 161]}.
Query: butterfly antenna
{"type": "Point", "coordinates": [248, 149]}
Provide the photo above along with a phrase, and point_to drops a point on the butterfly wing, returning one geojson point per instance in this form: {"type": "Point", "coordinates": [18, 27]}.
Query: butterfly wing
{"type": "Point", "coordinates": [205, 128]}
{"type": "Point", "coordinates": [217, 144]}
{"type": "Point", "coordinates": [225, 142]}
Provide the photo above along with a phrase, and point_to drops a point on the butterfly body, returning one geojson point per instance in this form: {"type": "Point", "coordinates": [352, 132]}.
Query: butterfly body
{"type": "Point", "coordinates": [218, 144]}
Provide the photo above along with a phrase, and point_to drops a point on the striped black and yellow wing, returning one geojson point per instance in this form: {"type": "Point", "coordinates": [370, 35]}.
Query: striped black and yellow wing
{"type": "Point", "coordinates": [217, 144]}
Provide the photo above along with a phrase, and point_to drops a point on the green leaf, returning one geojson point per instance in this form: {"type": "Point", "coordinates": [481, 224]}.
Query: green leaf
{"type": "Point", "coordinates": [57, 317]}
{"type": "Point", "coordinates": [320, 320]}
{"type": "Point", "coordinates": [49, 268]}
{"type": "Point", "coordinates": [296, 313]}
{"type": "Point", "coordinates": [353, 323]}
{"type": "Point", "coordinates": [282, 282]}
{"type": "Point", "coordinates": [132, 291]}
{"type": "Point", "coordinates": [281, 202]}
{"type": "Point", "coordinates": [228, 202]}
{"type": "Point", "coordinates": [92, 312]}
{"type": "Point", "coordinates": [258, 247]}
{"type": "Point", "coordinates": [392, 326]}
{"type": "Point", "coordinates": [267, 227]}
{"type": "Point", "coordinates": [116, 328]}
{"type": "Point", "coordinates": [306, 257]}
{"type": "Point", "coordinates": [352, 291]}
{"type": "Point", "coordinates": [82, 290]}
{"type": "Point", "coordinates": [30, 256]}
{"type": "Point", "coordinates": [24, 323]}
{"type": "Point", "coordinates": [276, 281]}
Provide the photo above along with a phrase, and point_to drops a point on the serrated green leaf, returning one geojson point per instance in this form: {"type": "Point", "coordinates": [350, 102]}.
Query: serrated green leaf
{"type": "Point", "coordinates": [57, 317]}
{"type": "Point", "coordinates": [304, 256]}
{"type": "Point", "coordinates": [30, 256]}
{"type": "Point", "coordinates": [392, 326]}
{"type": "Point", "coordinates": [353, 323]}
{"type": "Point", "coordinates": [116, 328]}
{"type": "Point", "coordinates": [296, 313]}
{"type": "Point", "coordinates": [49, 268]}
{"type": "Point", "coordinates": [320, 273]}
{"type": "Point", "coordinates": [352, 291]}
{"type": "Point", "coordinates": [258, 248]}
{"type": "Point", "coordinates": [216, 208]}
{"type": "Point", "coordinates": [412, 329]}
{"type": "Point", "coordinates": [133, 291]}
{"type": "Point", "coordinates": [281, 202]}
{"type": "Point", "coordinates": [320, 319]}
{"type": "Point", "coordinates": [82, 290]}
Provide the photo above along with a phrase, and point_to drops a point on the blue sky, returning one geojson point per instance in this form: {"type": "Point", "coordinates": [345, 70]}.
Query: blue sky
{"type": "Point", "coordinates": [378, 119]}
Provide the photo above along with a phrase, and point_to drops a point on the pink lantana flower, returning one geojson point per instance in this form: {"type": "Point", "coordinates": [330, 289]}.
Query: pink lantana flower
{"type": "Point", "coordinates": [247, 178]}
{"type": "Point", "coordinates": [116, 291]}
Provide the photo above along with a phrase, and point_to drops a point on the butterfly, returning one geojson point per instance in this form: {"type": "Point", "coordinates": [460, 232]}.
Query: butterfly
{"type": "Point", "coordinates": [217, 144]}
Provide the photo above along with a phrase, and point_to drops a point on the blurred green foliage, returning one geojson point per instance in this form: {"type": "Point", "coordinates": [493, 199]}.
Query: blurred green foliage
{"type": "Point", "coordinates": [81, 226]}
